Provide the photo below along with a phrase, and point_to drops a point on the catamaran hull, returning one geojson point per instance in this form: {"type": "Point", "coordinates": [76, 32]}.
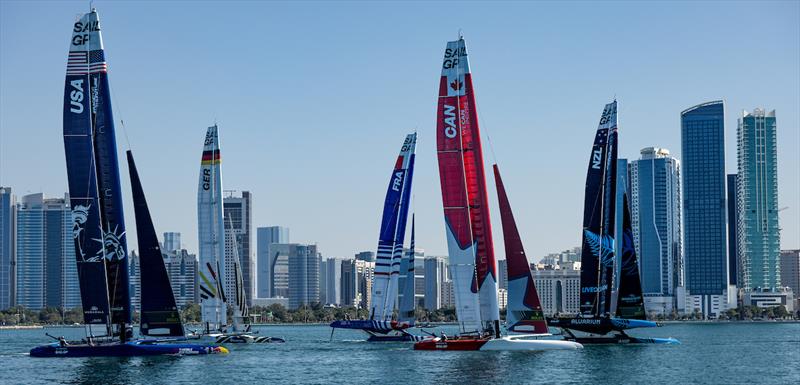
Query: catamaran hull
{"type": "Point", "coordinates": [521, 344]}
{"type": "Point", "coordinates": [128, 349]}
{"type": "Point", "coordinates": [454, 344]}
{"type": "Point", "coordinates": [244, 338]}
{"type": "Point", "coordinates": [613, 338]}
{"type": "Point", "coordinates": [371, 326]}
{"type": "Point", "coordinates": [497, 344]}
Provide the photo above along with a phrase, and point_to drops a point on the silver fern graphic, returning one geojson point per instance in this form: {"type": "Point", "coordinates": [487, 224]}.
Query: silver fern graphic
{"type": "Point", "coordinates": [601, 248]}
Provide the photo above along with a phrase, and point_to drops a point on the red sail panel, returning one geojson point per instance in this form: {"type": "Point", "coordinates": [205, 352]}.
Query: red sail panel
{"type": "Point", "coordinates": [463, 179]}
{"type": "Point", "coordinates": [524, 311]}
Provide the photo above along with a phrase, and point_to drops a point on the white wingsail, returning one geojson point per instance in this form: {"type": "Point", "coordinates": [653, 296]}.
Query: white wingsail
{"type": "Point", "coordinates": [211, 232]}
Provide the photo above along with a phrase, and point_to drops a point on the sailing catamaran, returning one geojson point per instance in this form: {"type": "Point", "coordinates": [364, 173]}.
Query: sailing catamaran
{"type": "Point", "coordinates": [469, 235]}
{"type": "Point", "coordinates": [466, 209]}
{"type": "Point", "coordinates": [99, 225]}
{"type": "Point", "coordinates": [597, 321]}
{"type": "Point", "coordinates": [211, 273]}
{"type": "Point", "coordinates": [390, 261]}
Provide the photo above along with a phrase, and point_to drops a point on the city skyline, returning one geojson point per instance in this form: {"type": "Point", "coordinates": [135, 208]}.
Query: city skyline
{"type": "Point", "coordinates": [554, 106]}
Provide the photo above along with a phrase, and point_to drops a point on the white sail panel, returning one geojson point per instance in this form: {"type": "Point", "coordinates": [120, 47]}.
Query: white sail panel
{"type": "Point", "coordinates": [211, 232]}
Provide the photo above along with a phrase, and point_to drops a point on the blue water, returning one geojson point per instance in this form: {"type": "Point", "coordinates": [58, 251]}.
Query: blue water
{"type": "Point", "coordinates": [757, 353]}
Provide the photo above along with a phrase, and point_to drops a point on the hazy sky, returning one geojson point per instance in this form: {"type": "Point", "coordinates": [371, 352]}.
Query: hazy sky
{"type": "Point", "coordinates": [314, 99]}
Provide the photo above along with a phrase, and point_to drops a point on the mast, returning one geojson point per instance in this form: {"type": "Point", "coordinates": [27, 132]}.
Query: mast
{"type": "Point", "coordinates": [466, 210]}
{"type": "Point", "coordinates": [241, 313]}
{"type": "Point", "coordinates": [630, 303]}
{"type": "Point", "coordinates": [597, 255]}
{"type": "Point", "coordinates": [93, 174]}
{"type": "Point", "coordinates": [524, 310]}
{"type": "Point", "coordinates": [392, 233]}
{"type": "Point", "coordinates": [407, 305]}
{"type": "Point", "coordinates": [210, 228]}
{"type": "Point", "coordinates": [159, 312]}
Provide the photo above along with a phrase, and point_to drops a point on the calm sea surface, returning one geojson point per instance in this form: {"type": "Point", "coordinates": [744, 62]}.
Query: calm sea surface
{"type": "Point", "coordinates": [758, 353]}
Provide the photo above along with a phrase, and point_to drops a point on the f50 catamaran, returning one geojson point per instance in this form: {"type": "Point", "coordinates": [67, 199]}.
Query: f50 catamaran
{"type": "Point", "coordinates": [390, 261]}
{"type": "Point", "coordinates": [597, 322]}
{"type": "Point", "coordinates": [99, 226]}
{"type": "Point", "coordinates": [211, 272]}
{"type": "Point", "coordinates": [469, 235]}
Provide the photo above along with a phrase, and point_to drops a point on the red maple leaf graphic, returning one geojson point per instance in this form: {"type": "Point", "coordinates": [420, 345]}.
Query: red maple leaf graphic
{"type": "Point", "coordinates": [456, 84]}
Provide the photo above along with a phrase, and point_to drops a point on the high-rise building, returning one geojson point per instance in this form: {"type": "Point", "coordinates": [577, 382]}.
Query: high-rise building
{"type": "Point", "coordinates": [733, 238]}
{"type": "Point", "coordinates": [182, 271]}
{"type": "Point", "coordinates": [266, 236]}
{"type": "Point", "coordinates": [704, 217]}
{"type": "Point", "coordinates": [419, 278]}
{"type": "Point", "coordinates": [502, 274]}
{"type": "Point", "coordinates": [790, 272]}
{"type": "Point", "coordinates": [367, 256]}
{"type": "Point", "coordinates": [7, 248]}
{"type": "Point", "coordinates": [759, 235]}
{"type": "Point", "coordinates": [365, 272]}
{"type": "Point", "coordinates": [333, 279]}
{"type": "Point", "coordinates": [559, 289]}
{"type": "Point", "coordinates": [303, 272]}
{"type": "Point", "coordinates": [279, 270]}
{"type": "Point", "coordinates": [323, 281]}
{"type": "Point", "coordinates": [655, 196]}
{"type": "Point", "coordinates": [349, 284]}
{"type": "Point", "coordinates": [172, 241]}
{"type": "Point", "coordinates": [435, 275]}
{"type": "Point", "coordinates": [46, 271]}
{"type": "Point", "coordinates": [238, 223]}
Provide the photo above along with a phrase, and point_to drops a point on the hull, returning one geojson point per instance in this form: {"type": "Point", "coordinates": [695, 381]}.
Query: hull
{"type": "Point", "coordinates": [529, 343]}
{"type": "Point", "coordinates": [128, 349]}
{"type": "Point", "coordinates": [236, 338]}
{"type": "Point", "coordinates": [613, 337]}
{"type": "Point", "coordinates": [461, 344]}
{"type": "Point", "coordinates": [507, 343]}
{"type": "Point", "coordinates": [370, 326]}
{"type": "Point", "coordinates": [600, 326]}
{"type": "Point", "coordinates": [402, 336]}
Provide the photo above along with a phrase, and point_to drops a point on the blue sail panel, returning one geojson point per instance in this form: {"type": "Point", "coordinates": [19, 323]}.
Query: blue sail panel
{"type": "Point", "coordinates": [159, 312]}
{"type": "Point", "coordinates": [82, 177]}
{"type": "Point", "coordinates": [87, 59]}
{"type": "Point", "coordinates": [597, 256]}
{"type": "Point", "coordinates": [395, 209]}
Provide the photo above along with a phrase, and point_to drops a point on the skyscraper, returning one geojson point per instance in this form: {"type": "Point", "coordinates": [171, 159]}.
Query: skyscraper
{"type": "Point", "coordinates": [759, 235]}
{"type": "Point", "coordinates": [238, 219]}
{"type": "Point", "coordinates": [367, 256]}
{"type": "Point", "coordinates": [790, 272]}
{"type": "Point", "coordinates": [502, 274]}
{"type": "Point", "coordinates": [365, 271]}
{"type": "Point", "coordinates": [7, 248]}
{"type": "Point", "coordinates": [46, 273]}
{"type": "Point", "coordinates": [655, 196]}
{"type": "Point", "coordinates": [435, 275]}
{"type": "Point", "coordinates": [733, 238]}
{"type": "Point", "coordinates": [172, 241]}
{"type": "Point", "coordinates": [348, 283]}
{"type": "Point", "coordinates": [266, 236]}
{"type": "Point", "coordinates": [704, 217]}
{"type": "Point", "coordinates": [303, 272]}
{"type": "Point", "coordinates": [333, 278]}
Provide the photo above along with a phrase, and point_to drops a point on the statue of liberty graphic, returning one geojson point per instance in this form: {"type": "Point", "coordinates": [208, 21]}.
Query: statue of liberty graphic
{"type": "Point", "coordinates": [80, 214]}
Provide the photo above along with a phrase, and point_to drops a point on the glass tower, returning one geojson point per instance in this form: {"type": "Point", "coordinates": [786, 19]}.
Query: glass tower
{"type": "Point", "coordinates": [758, 232]}
{"type": "Point", "coordinates": [704, 216]}
{"type": "Point", "coordinates": [46, 270]}
{"type": "Point", "coordinates": [7, 218]}
{"type": "Point", "coordinates": [656, 220]}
